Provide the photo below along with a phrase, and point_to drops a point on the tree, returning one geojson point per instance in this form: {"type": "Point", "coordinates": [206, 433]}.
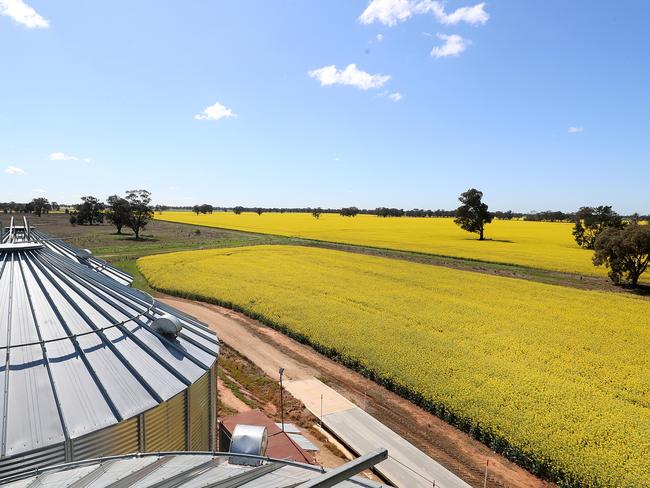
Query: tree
{"type": "Point", "coordinates": [626, 252]}
{"type": "Point", "coordinates": [196, 209]}
{"type": "Point", "coordinates": [389, 212]}
{"type": "Point", "coordinates": [90, 211]}
{"type": "Point", "coordinates": [118, 212]}
{"type": "Point", "coordinates": [349, 211]}
{"type": "Point", "coordinates": [259, 211]}
{"type": "Point", "coordinates": [592, 221]}
{"type": "Point", "coordinates": [473, 214]}
{"type": "Point", "coordinates": [238, 209]}
{"type": "Point", "coordinates": [40, 206]}
{"type": "Point", "coordinates": [140, 210]}
{"type": "Point", "coordinates": [316, 212]}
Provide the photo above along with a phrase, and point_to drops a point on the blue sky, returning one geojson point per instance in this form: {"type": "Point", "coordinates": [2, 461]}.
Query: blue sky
{"type": "Point", "coordinates": [542, 105]}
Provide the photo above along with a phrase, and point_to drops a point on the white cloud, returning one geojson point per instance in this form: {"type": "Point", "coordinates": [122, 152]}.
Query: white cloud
{"type": "Point", "coordinates": [471, 15]}
{"type": "Point", "coordinates": [453, 46]}
{"type": "Point", "coordinates": [380, 37]}
{"type": "Point", "coordinates": [39, 190]}
{"type": "Point", "coordinates": [337, 160]}
{"type": "Point", "coordinates": [13, 170]}
{"type": "Point", "coordinates": [575, 130]}
{"type": "Point", "coordinates": [351, 75]}
{"type": "Point", "coordinates": [215, 112]}
{"type": "Point", "coordinates": [59, 156]}
{"type": "Point", "coordinates": [390, 12]}
{"type": "Point", "coordinates": [22, 13]}
{"type": "Point", "coordinates": [395, 97]}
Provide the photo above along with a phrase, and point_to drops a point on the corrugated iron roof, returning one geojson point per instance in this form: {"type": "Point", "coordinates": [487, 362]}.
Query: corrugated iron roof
{"type": "Point", "coordinates": [78, 351]}
{"type": "Point", "coordinates": [183, 471]}
{"type": "Point", "coordinates": [280, 445]}
{"type": "Point", "coordinates": [19, 234]}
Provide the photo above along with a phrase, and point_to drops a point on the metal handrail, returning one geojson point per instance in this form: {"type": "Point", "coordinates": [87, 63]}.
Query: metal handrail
{"type": "Point", "coordinates": [137, 455]}
{"type": "Point", "coordinates": [89, 332]}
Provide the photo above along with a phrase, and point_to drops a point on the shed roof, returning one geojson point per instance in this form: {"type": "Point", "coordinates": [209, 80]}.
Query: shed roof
{"type": "Point", "coordinates": [78, 351]}
{"type": "Point", "coordinates": [280, 445]}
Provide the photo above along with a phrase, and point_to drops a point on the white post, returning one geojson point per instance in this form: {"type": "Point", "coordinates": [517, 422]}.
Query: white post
{"type": "Point", "coordinates": [487, 463]}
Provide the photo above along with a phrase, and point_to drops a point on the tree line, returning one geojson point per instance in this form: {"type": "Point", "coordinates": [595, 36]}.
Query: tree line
{"type": "Point", "coordinates": [42, 206]}
{"type": "Point", "coordinates": [37, 206]}
{"type": "Point", "coordinates": [534, 216]}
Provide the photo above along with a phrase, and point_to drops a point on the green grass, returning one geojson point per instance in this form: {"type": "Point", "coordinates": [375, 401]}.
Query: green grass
{"type": "Point", "coordinates": [130, 266]}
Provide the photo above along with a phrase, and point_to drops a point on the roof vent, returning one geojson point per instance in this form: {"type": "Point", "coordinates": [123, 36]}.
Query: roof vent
{"type": "Point", "coordinates": [84, 254]}
{"type": "Point", "coordinates": [168, 325]}
{"type": "Point", "coordinates": [248, 439]}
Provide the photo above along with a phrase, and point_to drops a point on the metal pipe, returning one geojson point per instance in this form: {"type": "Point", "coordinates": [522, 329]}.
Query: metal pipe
{"type": "Point", "coordinates": [281, 399]}
{"type": "Point", "coordinates": [216, 454]}
{"type": "Point", "coordinates": [347, 470]}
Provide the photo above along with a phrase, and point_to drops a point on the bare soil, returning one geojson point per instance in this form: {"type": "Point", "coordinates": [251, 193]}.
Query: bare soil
{"type": "Point", "coordinates": [243, 386]}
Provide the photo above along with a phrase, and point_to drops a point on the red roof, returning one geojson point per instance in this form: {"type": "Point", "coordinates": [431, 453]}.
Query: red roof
{"type": "Point", "coordinates": [280, 445]}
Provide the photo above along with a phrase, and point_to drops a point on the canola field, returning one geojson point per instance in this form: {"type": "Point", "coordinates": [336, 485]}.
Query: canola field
{"type": "Point", "coordinates": [547, 245]}
{"type": "Point", "coordinates": [557, 378]}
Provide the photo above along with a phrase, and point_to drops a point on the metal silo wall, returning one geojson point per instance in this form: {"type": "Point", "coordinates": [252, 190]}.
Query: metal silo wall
{"type": "Point", "coordinates": [121, 438]}
{"type": "Point", "coordinates": [165, 426]}
{"type": "Point", "coordinates": [31, 460]}
{"type": "Point", "coordinates": [199, 411]}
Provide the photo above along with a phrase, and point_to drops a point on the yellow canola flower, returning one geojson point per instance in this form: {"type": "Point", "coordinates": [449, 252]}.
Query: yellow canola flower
{"type": "Point", "coordinates": [559, 374]}
{"type": "Point", "coordinates": [546, 245]}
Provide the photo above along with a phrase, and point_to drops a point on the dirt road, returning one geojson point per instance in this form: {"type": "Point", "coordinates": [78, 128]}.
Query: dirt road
{"type": "Point", "coordinates": [270, 350]}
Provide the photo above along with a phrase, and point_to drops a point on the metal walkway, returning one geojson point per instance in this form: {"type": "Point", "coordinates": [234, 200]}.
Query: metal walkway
{"type": "Point", "coordinates": [406, 466]}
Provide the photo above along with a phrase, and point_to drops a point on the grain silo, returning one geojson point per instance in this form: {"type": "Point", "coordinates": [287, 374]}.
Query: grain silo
{"type": "Point", "coordinates": [90, 367]}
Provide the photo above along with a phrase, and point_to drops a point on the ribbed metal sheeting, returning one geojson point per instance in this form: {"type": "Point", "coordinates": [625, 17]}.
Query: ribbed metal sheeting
{"type": "Point", "coordinates": [78, 356]}
{"type": "Point", "coordinates": [184, 471]}
{"type": "Point", "coordinates": [199, 409]}
{"type": "Point", "coordinates": [61, 247]}
{"type": "Point", "coordinates": [167, 427]}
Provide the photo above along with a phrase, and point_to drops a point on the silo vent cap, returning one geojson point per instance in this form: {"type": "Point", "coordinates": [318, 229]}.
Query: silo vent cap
{"type": "Point", "coordinates": [84, 253]}
{"type": "Point", "coordinates": [248, 439]}
{"type": "Point", "coordinates": [167, 325]}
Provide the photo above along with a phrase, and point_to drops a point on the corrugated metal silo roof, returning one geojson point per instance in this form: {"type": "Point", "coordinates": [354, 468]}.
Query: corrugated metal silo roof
{"type": "Point", "coordinates": [18, 234]}
{"type": "Point", "coordinates": [62, 247]}
{"type": "Point", "coordinates": [78, 351]}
